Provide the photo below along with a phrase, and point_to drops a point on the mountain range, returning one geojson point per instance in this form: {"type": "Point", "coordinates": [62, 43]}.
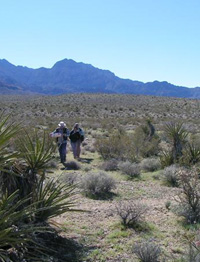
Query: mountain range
{"type": "Point", "coordinates": [68, 76]}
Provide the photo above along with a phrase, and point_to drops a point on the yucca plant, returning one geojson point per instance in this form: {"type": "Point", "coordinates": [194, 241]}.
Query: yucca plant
{"type": "Point", "coordinates": [191, 154]}
{"type": "Point", "coordinates": [177, 136]}
{"type": "Point", "coordinates": [53, 198]}
{"type": "Point", "coordinates": [7, 132]}
{"type": "Point", "coordinates": [16, 235]}
{"type": "Point", "coordinates": [36, 150]}
{"type": "Point", "coordinates": [166, 159]}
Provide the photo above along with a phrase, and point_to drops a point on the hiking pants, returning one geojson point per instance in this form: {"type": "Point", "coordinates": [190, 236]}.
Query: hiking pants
{"type": "Point", "coordinates": [76, 148]}
{"type": "Point", "coordinates": [62, 148]}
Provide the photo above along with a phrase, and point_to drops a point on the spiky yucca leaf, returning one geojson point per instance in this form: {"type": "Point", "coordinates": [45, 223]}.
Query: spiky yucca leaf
{"type": "Point", "coordinates": [14, 231]}
{"type": "Point", "coordinates": [177, 135]}
{"type": "Point", "coordinates": [54, 198]}
{"type": "Point", "coordinates": [175, 131]}
{"type": "Point", "coordinates": [7, 132]}
{"type": "Point", "coordinates": [191, 154]}
{"type": "Point", "coordinates": [36, 150]}
{"type": "Point", "coordinates": [18, 231]}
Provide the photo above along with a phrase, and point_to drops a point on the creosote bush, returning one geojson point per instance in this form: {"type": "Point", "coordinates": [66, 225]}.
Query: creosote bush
{"type": "Point", "coordinates": [97, 184]}
{"type": "Point", "coordinates": [150, 164]}
{"type": "Point", "coordinates": [131, 169]}
{"type": "Point", "coordinates": [147, 251]}
{"type": "Point", "coordinates": [131, 213]}
{"type": "Point", "coordinates": [170, 175]}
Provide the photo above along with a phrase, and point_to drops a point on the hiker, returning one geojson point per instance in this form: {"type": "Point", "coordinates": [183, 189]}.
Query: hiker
{"type": "Point", "coordinates": [61, 133]}
{"type": "Point", "coordinates": [76, 137]}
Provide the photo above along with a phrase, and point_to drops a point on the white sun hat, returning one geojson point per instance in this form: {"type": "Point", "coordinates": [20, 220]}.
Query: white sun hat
{"type": "Point", "coordinates": [62, 124]}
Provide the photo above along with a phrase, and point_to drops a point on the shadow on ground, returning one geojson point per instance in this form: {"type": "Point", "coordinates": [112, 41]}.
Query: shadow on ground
{"type": "Point", "coordinates": [86, 160]}
{"type": "Point", "coordinates": [62, 249]}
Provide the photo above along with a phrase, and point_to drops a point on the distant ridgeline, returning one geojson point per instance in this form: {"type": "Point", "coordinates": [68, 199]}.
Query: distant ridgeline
{"type": "Point", "coordinates": [68, 76]}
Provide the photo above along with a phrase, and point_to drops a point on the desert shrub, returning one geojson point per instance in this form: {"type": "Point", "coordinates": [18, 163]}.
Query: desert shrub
{"type": "Point", "coordinates": [110, 165]}
{"type": "Point", "coordinates": [74, 165]}
{"type": "Point", "coordinates": [131, 213]}
{"type": "Point", "coordinates": [131, 169]}
{"type": "Point", "coordinates": [150, 164]}
{"type": "Point", "coordinates": [144, 141]}
{"type": "Point", "coordinates": [147, 251]}
{"type": "Point", "coordinates": [70, 178]}
{"type": "Point", "coordinates": [170, 175]}
{"type": "Point", "coordinates": [114, 146]}
{"type": "Point", "coordinates": [189, 198]}
{"type": "Point", "coordinates": [97, 184]}
{"type": "Point", "coordinates": [90, 148]}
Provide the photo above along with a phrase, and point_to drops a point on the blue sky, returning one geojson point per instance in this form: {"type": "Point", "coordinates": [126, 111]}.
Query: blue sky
{"type": "Point", "coordinates": [143, 40]}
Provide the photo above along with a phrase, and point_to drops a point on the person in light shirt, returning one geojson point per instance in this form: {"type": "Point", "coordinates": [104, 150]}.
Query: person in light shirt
{"type": "Point", "coordinates": [62, 135]}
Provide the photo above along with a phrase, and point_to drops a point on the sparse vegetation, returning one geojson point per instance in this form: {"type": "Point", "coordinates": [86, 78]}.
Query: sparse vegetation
{"type": "Point", "coordinates": [124, 134]}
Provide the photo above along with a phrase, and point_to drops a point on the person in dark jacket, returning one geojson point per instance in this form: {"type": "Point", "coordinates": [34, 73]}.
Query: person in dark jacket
{"type": "Point", "coordinates": [76, 137]}
{"type": "Point", "coordinates": [62, 135]}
